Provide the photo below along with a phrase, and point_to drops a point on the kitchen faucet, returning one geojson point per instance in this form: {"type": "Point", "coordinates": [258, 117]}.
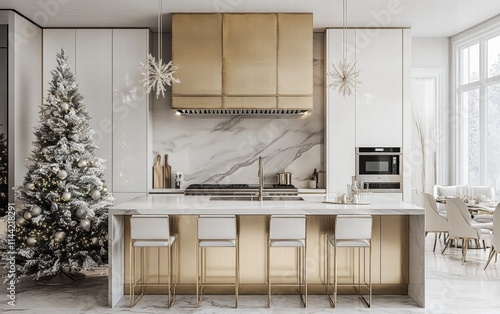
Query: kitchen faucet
{"type": "Point", "coordinates": [261, 179]}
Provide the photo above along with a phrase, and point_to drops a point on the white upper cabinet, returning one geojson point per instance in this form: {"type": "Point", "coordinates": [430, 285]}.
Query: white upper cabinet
{"type": "Point", "coordinates": [379, 98]}
{"type": "Point", "coordinates": [94, 78]}
{"type": "Point", "coordinates": [340, 127]}
{"type": "Point", "coordinates": [130, 111]}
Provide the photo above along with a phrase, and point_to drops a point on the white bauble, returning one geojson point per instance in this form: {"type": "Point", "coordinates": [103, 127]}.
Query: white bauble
{"type": "Point", "coordinates": [27, 215]}
{"type": "Point", "coordinates": [64, 106]}
{"type": "Point", "coordinates": [82, 163]}
{"type": "Point", "coordinates": [31, 241]}
{"type": "Point", "coordinates": [29, 186]}
{"type": "Point", "coordinates": [59, 236]}
{"type": "Point", "coordinates": [66, 196]}
{"type": "Point", "coordinates": [80, 212]}
{"type": "Point", "coordinates": [85, 223]}
{"type": "Point", "coordinates": [62, 174]}
{"type": "Point", "coordinates": [95, 194]}
{"type": "Point", "coordinates": [36, 210]}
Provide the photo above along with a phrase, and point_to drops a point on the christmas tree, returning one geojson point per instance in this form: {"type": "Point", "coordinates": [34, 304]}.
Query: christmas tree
{"type": "Point", "coordinates": [3, 174]}
{"type": "Point", "coordinates": [62, 224]}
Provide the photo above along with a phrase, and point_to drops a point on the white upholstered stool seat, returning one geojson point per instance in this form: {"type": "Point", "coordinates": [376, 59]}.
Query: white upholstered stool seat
{"type": "Point", "coordinates": [287, 232]}
{"type": "Point", "coordinates": [351, 231]}
{"type": "Point", "coordinates": [150, 231]}
{"type": "Point", "coordinates": [216, 231]}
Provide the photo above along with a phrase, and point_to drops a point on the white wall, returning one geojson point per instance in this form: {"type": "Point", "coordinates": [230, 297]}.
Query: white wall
{"type": "Point", "coordinates": [25, 81]}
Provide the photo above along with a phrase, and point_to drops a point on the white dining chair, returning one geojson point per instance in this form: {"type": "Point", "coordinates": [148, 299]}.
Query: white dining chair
{"type": "Point", "coordinates": [443, 191]}
{"type": "Point", "coordinates": [216, 231]}
{"type": "Point", "coordinates": [289, 231]}
{"type": "Point", "coordinates": [148, 231]}
{"type": "Point", "coordinates": [495, 236]}
{"type": "Point", "coordinates": [460, 225]}
{"type": "Point", "coordinates": [435, 221]}
{"type": "Point", "coordinates": [487, 191]}
{"type": "Point", "coordinates": [353, 231]}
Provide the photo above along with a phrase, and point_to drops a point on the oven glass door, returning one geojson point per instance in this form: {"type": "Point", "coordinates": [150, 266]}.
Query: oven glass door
{"type": "Point", "coordinates": [378, 164]}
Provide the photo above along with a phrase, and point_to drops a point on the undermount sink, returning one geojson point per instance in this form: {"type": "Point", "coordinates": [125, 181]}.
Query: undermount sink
{"type": "Point", "coordinates": [256, 198]}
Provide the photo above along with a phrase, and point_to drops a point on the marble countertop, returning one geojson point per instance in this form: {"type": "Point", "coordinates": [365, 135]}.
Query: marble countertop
{"type": "Point", "coordinates": [312, 205]}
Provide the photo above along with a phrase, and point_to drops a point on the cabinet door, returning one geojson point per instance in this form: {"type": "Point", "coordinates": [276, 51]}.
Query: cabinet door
{"type": "Point", "coordinates": [249, 54]}
{"type": "Point", "coordinates": [295, 57]}
{"type": "Point", "coordinates": [379, 99]}
{"type": "Point", "coordinates": [94, 77]}
{"type": "Point", "coordinates": [197, 50]}
{"type": "Point", "coordinates": [130, 111]}
{"type": "Point", "coordinates": [53, 41]}
{"type": "Point", "coordinates": [340, 121]}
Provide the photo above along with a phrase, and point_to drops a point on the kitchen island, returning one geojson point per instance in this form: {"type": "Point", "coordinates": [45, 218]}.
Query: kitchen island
{"type": "Point", "coordinates": [398, 241]}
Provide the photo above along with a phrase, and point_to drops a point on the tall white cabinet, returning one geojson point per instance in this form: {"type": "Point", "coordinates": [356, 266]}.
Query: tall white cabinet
{"type": "Point", "coordinates": [377, 113]}
{"type": "Point", "coordinates": [106, 63]}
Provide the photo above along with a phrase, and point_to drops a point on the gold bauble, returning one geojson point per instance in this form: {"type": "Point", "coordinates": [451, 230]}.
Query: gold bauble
{"type": "Point", "coordinates": [31, 241]}
{"type": "Point", "coordinates": [29, 186]}
{"type": "Point", "coordinates": [59, 236]}
{"type": "Point", "coordinates": [94, 240]}
{"type": "Point", "coordinates": [66, 196]}
{"type": "Point", "coordinates": [36, 210]}
{"type": "Point", "coordinates": [64, 106]}
{"type": "Point", "coordinates": [62, 174]}
{"type": "Point", "coordinates": [82, 163]}
{"type": "Point", "coordinates": [95, 194]}
{"type": "Point", "coordinates": [20, 221]}
{"type": "Point", "coordinates": [27, 215]}
{"type": "Point", "coordinates": [85, 223]}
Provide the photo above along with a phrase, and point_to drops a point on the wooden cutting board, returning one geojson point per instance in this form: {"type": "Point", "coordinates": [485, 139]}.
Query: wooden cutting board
{"type": "Point", "coordinates": [168, 174]}
{"type": "Point", "coordinates": [158, 174]}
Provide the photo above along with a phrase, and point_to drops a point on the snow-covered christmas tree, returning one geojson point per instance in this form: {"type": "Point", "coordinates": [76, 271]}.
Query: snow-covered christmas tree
{"type": "Point", "coordinates": [3, 174]}
{"type": "Point", "coordinates": [62, 224]}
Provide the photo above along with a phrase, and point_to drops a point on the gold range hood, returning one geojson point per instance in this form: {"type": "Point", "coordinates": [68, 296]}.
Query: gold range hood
{"type": "Point", "coordinates": [243, 63]}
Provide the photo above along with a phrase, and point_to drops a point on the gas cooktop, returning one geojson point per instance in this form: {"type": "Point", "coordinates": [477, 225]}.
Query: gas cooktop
{"type": "Point", "coordinates": [237, 189]}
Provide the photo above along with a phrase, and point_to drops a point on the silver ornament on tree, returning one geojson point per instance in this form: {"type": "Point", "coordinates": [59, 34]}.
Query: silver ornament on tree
{"type": "Point", "coordinates": [95, 194]}
{"type": "Point", "coordinates": [66, 196]}
{"type": "Point", "coordinates": [36, 210]}
{"type": "Point", "coordinates": [59, 236]}
{"type": "Point", "coordinates": [62, 174]}
{"type": "Point", "coordinates": [20, 221]}
{"type": "Point", "coordinates": [80, 212]}
{"type": "Point", "coordinates": [27, 215]}
{"type": "Point", "coordinates": [29, 186]}
{"type": "Point", "coordinates": [31, 241]}
{"type": "Point", "coordinates": [64, 106]}
{"type": "Point", "coordinates": [82, 163]}
{"type": "Point", "coordinates": [94, 240]}
{"type": "Point", "coordinates": [85, 224]}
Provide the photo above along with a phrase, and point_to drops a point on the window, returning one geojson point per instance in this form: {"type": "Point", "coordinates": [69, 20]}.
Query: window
{"type": "Point", "coordinates": [478, 107]}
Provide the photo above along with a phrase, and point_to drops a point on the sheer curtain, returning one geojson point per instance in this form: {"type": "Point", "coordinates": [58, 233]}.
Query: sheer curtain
{"type": "Point", "coordinates": [424, 133]}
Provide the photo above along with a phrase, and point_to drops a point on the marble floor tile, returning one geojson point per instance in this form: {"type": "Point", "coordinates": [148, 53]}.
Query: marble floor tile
{"type": "Point", "coordinates": [451, 287]}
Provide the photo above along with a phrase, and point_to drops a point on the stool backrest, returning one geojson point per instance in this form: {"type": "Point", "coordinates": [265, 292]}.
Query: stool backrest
{"type": "Point", "coordinates": [149, 227]}
{"type": "Point", "coordinates": [353, 227]}
{"type": "Point", "coordinates": [216, 227]}
{"type": "Point", "coordinates": [287, 227]}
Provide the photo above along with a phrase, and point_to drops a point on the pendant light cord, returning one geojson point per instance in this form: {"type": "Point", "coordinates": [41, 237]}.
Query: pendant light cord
{"type": "Point", "coordinates": [160, 30]}
{"type": "Point", "coordinates": [344, 26]}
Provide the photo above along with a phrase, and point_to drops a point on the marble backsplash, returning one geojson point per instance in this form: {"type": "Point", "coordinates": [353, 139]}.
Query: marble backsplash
{"type": "Point", "coordinates": [226, 149]}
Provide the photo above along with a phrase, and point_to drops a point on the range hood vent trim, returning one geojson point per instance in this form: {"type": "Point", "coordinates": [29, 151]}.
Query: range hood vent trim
{"type": "Point", "coordinates": [265, 112]}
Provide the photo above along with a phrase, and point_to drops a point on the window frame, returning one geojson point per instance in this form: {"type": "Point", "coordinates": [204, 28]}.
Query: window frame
{"type": "Point", "coordinates": [459, 125]}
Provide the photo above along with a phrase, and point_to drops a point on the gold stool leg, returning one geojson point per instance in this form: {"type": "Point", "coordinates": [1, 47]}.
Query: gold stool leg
{"type": "Point", "coordinates": [268, 272]}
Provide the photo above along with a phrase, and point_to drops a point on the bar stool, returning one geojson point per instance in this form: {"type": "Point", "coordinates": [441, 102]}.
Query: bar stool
{"type": "Point", "coordinates": [150, 231]}
{"type": "Point", "coordinates": [288, 231]}
{"type": "Point", "coordinates": [215, 231]}
{"type": "Point", "coordinates": [350, 231]}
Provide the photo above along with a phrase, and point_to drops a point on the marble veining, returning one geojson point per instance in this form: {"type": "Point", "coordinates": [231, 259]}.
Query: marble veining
{"type": "Point", "coordinates": [225, 149]}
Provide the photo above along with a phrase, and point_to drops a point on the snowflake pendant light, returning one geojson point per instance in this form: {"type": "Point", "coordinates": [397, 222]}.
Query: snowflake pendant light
{"type": "Point", "coordinates": [343, 75]}
{"type": "Point", "coordinates": [158, 74]}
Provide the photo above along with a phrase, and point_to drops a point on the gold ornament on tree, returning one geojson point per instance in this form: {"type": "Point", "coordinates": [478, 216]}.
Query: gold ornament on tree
{"type": "Point", "coordinates": [36, 210]}
{"type": "Point", "coordinates": [27, 215]}
{"type": "Point", "coordinates": [29, 186]}
{"type": "Point", "coordinates": [158, 74]}
{"type": "Point", "coordinates": [343, 75]}
{"type": "Point", "coordinates": [62, 174]}
{"type": "Point", "coordinates": [82, 163]}
{"type": "Point", "coordinates": [85, 224]}
{"type": "Point", "coordinates": [31, 241]}
{"type": "Point", "coordinates": [95, 194]}
{"type": "Point", "coordinates": [64, 106]}
{"type": "Point", "coordinates": [59, 236]}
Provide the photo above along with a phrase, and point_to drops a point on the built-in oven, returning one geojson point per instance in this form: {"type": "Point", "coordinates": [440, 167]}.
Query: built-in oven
{"type": "Point", "coordinates": [379, 169]}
